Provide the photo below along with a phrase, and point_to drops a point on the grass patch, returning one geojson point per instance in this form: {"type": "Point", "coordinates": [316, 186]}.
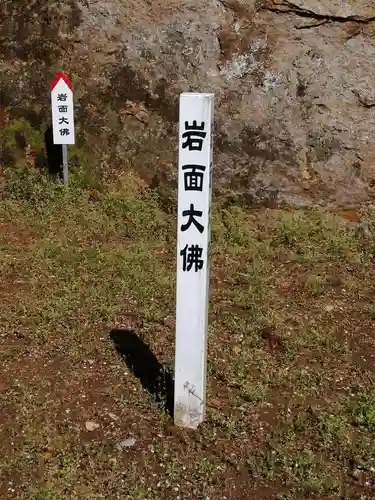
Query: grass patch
{"type": "Point", "coordinates": [316, 237]}
{"type": "Point", "coordinates": [77, 262]}
{"type": "Point", "coordinates": [364, 411]}
{"type": "Point", "coordinates": [45, 493]}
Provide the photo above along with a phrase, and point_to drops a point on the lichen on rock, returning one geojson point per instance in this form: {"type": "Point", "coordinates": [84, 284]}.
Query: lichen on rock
{"type": "Point", "coordinates": [295, 114]}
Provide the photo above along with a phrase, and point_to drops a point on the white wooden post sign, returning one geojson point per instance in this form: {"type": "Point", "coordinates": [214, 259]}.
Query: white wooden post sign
{"type": "Point", "coordinates": [193, 256]}
{"type": "Point", "coordinates": [63, 116]}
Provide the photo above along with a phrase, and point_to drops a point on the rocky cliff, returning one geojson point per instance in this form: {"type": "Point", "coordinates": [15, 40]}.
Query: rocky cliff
{"type": "Point", "coordinates": [294, 84]}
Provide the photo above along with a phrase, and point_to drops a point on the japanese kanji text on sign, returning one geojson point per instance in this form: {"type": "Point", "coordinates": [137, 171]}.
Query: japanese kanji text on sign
{"type": "Point", "coordinates": [62, 110]}
{"type": "Point", "coordinates": [194, 212]}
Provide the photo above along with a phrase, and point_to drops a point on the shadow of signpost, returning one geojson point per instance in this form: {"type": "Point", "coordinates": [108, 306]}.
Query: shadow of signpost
{"type": "Point", "coordinates": [54, 155]}
{"type": "Point", "coordinates": [143, 363]}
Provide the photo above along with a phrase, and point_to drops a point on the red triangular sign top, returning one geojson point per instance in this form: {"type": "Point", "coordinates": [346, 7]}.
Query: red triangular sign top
{"type": "Point", "coordinates": [60, 76]}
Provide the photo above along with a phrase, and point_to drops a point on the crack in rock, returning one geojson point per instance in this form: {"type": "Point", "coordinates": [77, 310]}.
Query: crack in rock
{"type": "Point", "coordinates": [365, 99]}
{"type": "Point", "coordinates": [318, 10]}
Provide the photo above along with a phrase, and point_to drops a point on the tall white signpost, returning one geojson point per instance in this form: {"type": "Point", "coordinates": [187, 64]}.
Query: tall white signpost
{"type": "Point", "coordinates": [63, 116]}
{"type": "Point", "coordinates": [193, 256]}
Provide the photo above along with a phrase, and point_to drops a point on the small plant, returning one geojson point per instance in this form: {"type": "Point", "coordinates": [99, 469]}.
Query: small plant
{"type": "Point", "coordinates": [290, 230]}
{"type": "Point", "coordinates": [45, 493]}
{"type": "Point", "coordinates": [316, 285]}
{"type": "Point", "coordinates": [370, 309]}
{"type": "Point", "coordinates": [332, 429]}
{"type": "Point", "coordinates": [364, 411]}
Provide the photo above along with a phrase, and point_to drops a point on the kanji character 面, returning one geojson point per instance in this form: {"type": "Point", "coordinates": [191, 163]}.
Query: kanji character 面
{"type": "Point", "coordinates": [193, 180]}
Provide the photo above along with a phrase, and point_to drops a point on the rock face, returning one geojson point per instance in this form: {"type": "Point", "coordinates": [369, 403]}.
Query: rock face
{"type": "Point", "coordinates": [293, 80]}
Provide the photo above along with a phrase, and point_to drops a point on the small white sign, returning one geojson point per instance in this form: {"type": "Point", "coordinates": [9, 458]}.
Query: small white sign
{"type": "Point", "coordinates": [193, 256]}
{"type": "Point", "coordinates": [62, 110]}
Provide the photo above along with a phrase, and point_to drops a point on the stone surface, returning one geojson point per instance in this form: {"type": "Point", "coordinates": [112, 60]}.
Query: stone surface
{"type": "Point", "coordinates": [293, 79]}
{"type": "Point", "coordinates": [126, 443]}
{"type": "Point", "coordinates": [91, 426]}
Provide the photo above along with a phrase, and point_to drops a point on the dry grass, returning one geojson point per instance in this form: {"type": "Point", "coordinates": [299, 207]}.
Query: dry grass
{"type": "Point", "coordinates": [291, 399]}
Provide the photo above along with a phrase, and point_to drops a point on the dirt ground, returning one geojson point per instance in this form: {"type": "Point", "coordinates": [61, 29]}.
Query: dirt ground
{"type": "Point", "coordinates": [87, 326]}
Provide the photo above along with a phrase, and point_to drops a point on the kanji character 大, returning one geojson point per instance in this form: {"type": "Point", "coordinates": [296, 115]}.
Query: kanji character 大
{"type": "Point", "coordinates": [192, 213]}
